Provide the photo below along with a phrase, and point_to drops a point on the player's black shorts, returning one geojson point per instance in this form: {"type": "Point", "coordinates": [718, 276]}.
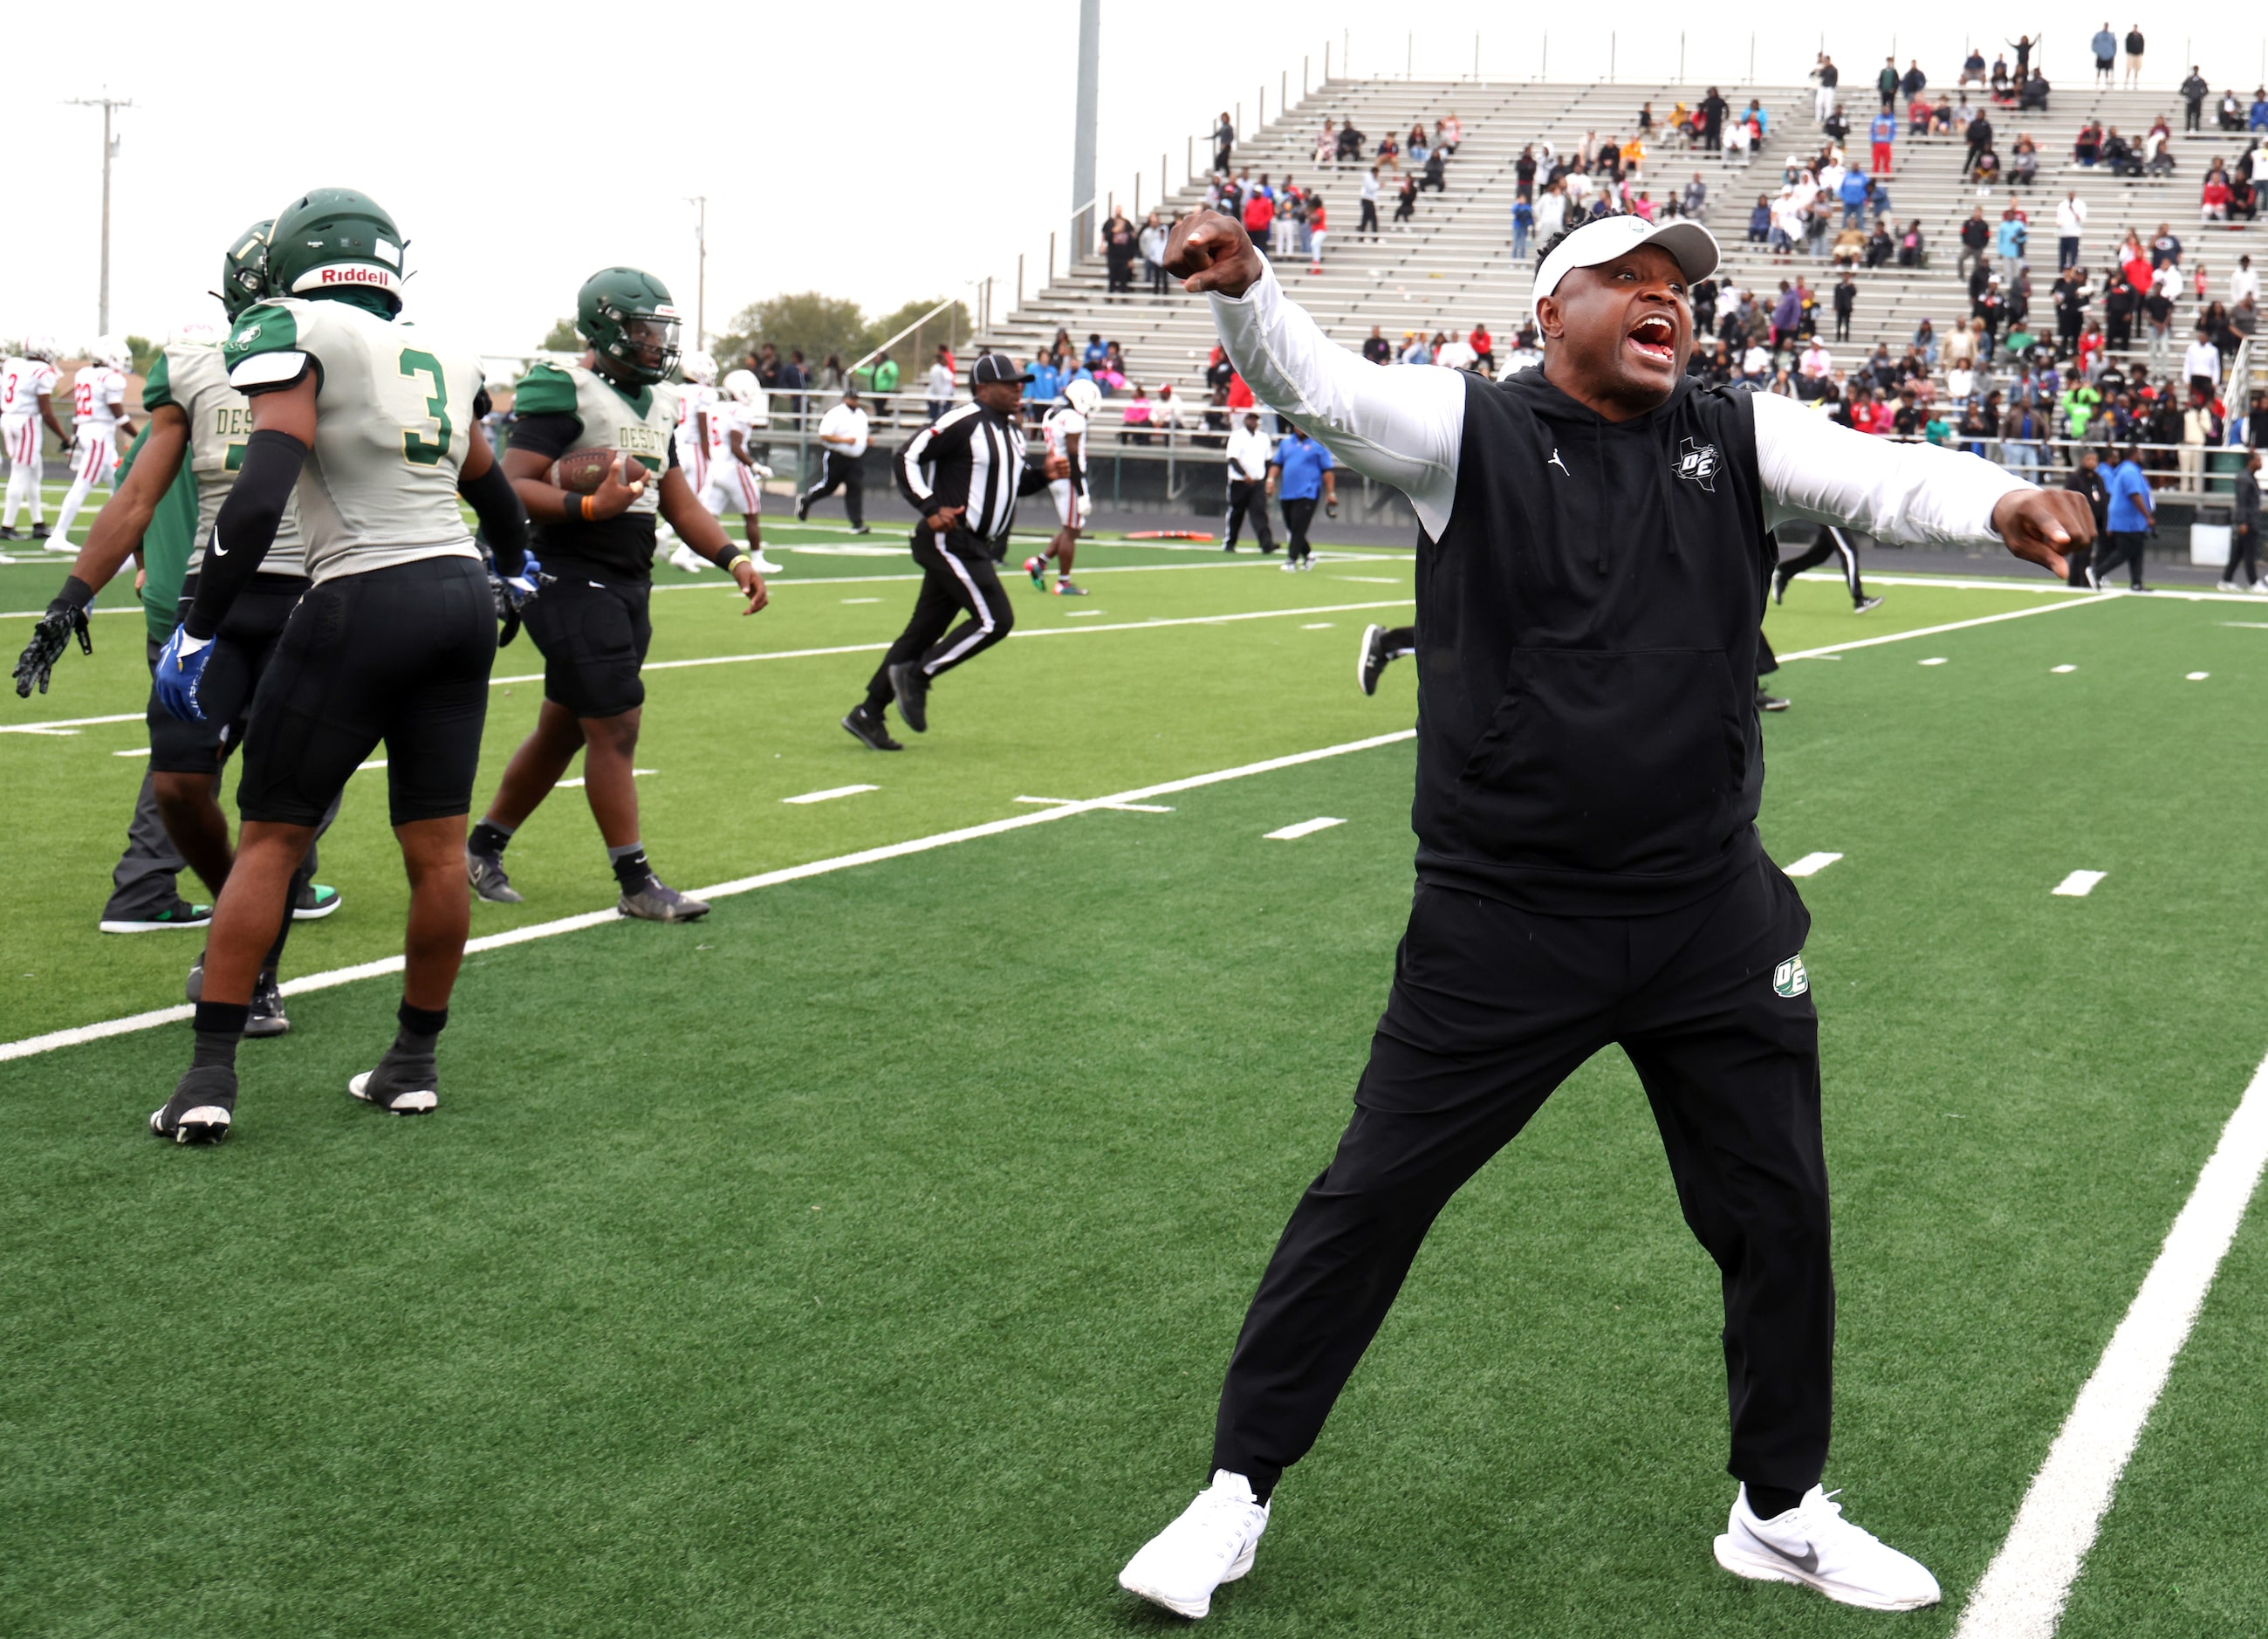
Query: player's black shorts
{"type": "Point", "coordinates": [399, 655]}
{"type": "Point", "coordinates": [593, 638]}
{"type": "Point", "coordinates": [241, 650]}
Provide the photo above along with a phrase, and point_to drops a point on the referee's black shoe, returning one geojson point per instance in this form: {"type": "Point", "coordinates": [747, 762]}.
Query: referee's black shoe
{"type": "Point", "coordinates": [199, 1111]}
{"type": "Point", "coordinates": [868, 729]}
{"type": "Point", "coordinates": [910, 683]}
{"type": "Point", "coordinates": [1770, 702]}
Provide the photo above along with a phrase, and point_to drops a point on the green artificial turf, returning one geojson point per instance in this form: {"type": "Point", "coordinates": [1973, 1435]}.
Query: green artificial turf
{"type": "Point", "coordinates": [863, 1260]}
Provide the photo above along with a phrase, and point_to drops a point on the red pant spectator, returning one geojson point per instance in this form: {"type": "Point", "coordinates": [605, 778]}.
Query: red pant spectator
{"type": "Point", "coordinates": [1881, 159]}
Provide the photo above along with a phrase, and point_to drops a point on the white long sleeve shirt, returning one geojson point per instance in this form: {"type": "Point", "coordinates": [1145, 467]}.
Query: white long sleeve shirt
{"type": "Point", "coordinates": [1250, 453]}
{"type": "Point", "coordinates": [1406, 427]}
{"type": "Point", "coordinates": [2199, 359]}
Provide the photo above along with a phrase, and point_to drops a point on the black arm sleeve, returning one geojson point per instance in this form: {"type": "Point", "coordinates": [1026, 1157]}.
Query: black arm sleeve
{"type": "Point", "coordinates": [1035, 475]}
{"type": "Point", "coordinates": [503, 522]}
{"type": "Point", "coordinates": [246, 528]}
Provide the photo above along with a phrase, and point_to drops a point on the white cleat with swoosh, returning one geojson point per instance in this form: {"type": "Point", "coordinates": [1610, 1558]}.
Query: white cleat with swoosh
{"type": "Point", "coordinates": [1813, 1545]}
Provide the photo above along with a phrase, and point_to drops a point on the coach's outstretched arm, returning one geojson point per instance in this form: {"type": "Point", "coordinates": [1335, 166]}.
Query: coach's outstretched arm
{"type": "Point", "coordinates": [1401, 427]}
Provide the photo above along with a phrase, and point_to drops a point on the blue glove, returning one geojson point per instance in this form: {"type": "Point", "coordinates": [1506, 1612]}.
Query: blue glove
{"type": "Point", "coordinates": [181, 668]}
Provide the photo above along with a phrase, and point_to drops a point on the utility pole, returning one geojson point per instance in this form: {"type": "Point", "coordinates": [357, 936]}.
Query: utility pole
{"type": "Point", "coordinates": [700, 203]}
{"type": "Point", "coordinates": [107, 104]}
{"type": "Point", "coordinates": [1083, 134]}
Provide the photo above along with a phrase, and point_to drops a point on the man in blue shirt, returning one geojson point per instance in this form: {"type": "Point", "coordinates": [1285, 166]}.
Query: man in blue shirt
{"type": "Point", "coordinates": [2011, 235]}
{"type": "Point", "coordinates": [1300, 470]}
{"type": "Point", "coordinates": [1853, 193]}
{"type": "Point", "coordinates": [2132, 511]}
{"type": "Point", "coordinates": [1042, 384]}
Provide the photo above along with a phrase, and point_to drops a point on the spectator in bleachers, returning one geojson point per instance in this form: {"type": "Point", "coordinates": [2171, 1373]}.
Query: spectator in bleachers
{"type": "Point", "coordinates": [2201, 362]}
{"type": "Point", "coordinates": [1166, 413]}
{"type": "Point", "coordinates": [1712, 109]}
{"type": "Point", "coordinates": [1326, 142]}
{"type": "Point", "coordinates": [1376, 348]}
{"type": "Point", "coordinates": [1523, 175]}
{"type": "Point", "coordinates": [1881, 133]}
{"type": "Point", "coordinates": [1885, 82]}
{"type": "Point", "coordinates": [1523, 224]}
{"type": "Point", "coordinates": [1911, 246]}
{"type": "Point", "coordinates": [1119, 251]}
{"type": "Point", "coordinates": [2230, 116]}
{"type": "Point", "coordinates": [2165, 249]}
{"type": "Point", "coordinates": [1368, 226]}
{"type": "Point", "coordinates": [2255, 117]}
{"type": "Point", "coordinates": [2000, 78]}
{"type": "Point", "coordinates": [1978, 133]}
{"type": "Point", "coordinates": [1405, 203]}
{"type": "Point", "coordinates": [1151, 243]}
{"type": "Point", "coordinates": [1912, 83]}
{"type": "Point", "coordinates": [1449, 131]}
{"type": "Point", "coordinates": [1350, 145]}
{"type": "Point", "coordinates": [2009, 241]}
{"type": "Point", "coordinates": [1972, 68]}
{"type": "Point", "coordinates": [2072, 297]}
{"type": "Point", "coordinates": [2158, 149]}
{"type": "Point", "coordinates": [2086, 148]}
{"type": "Point", "coordinates": [2071, 223]}
{"type": "Point", "coordinates": [1976, 235]}
{"type": "Point", "coordinates": [1550, 212]}
{"type": "Point", "coordinates": [1436, 176]}
{"type": "Point", "coordinates": [1260, 215]}
{"type": "Point", "coordinates": [2193, 94]}
{"type": "Point", "coordinates": [1823, 100]}
{"type": "Point", "coordinates": [939, 386]}
{"type": "Point", "coordinates": [1224, 142]}
{"type": "Point", "coordinates": [1919, 115]}
{"type": "Point", "coordinates": [2212, 198]}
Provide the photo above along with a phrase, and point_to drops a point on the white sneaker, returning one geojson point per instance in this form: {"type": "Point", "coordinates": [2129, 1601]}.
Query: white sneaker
{"type": "Point", "coordinates": [1814, 1545]}
{"type": "Point", "coordinates": [1211, 1543]}
{"type": "Point", "coordinates": [762, 564]}
{"type": "Point", "coordinates": [2226, 585]}
{"type": "Point", "coordinates": [686, 560]}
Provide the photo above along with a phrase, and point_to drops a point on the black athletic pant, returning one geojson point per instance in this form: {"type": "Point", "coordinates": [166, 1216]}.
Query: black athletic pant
{"type": "Point", "coordinates": [2125, 547]}
{"type": "Point", "coordinates": [1842, 325]}
{"type": "Point", "coordinates": [2243, 556]}
{"type": "Point", "coordinates": [1248, 498]}
{"type": "Point", "coordinates": [1492, 1008]}
{"type": "Point", "coordinates": [952, 582]}
{"type": "Point", "coordinates": [1399, 641]}
{"type": "Point", "coordinates": [1297, 516]}
{"type": "Point", "coordinates": [1832, 543]}
{"type": "Point", "coordinates": [841, 471]}
{"type": "Point", "coordinates": [1369, 223]}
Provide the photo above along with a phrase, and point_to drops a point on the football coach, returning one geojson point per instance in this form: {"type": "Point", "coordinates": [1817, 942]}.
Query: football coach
{"type": "Point", "coordinates": [1591, 585]}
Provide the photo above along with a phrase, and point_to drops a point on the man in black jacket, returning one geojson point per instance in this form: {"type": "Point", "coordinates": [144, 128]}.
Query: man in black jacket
{"type": "Point", "coordinates": [2086, 479]}
{"type": "Point", "coordinates": [964, 474]}
{"type": "Point", "coordinates": [1590, 578]}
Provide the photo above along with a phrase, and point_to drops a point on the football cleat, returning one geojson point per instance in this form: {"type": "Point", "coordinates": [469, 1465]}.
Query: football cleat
{"type": "Point", "coordinates": [9, 533]}
{"type": "Point", "coordinates": [1866, 603]}
{"type": "Point", "coordinates": [400, 1084]}
{"type": "Point", "coordinates": [1213, 1542]}
{"type": "Point", "coordinates": [181, 914]}
{"type": "Point", "coordinates": [315, 902]}
{"type": "Point", "coordinates": [688, 560]}
{"type": "Point", "coordinates": [1813, 1545]}
{"type": "Point", "coordinates": [1290, 565]}
{"type": "Point", "coordinates": [859, 529]}
{"type": "Point", "coordinates": [485, 872]}
{"type": "Point", "coordinates": [1037, 568]}
{"type": "Point", "coordinates": [910, 683]}
{"type": "Point", "coordinates": [1064, 588]}
{"type": "Point", "coordinates": [1779, 585]}
{"type": "Point", "coordinates": [1770, 702]}
{"type": "Point", "coordinates": [199, 1111]}
{"type": "Point", "coordinates": [868, 729]}
{"type": "Point", "coordinates": [762, 564]}
{"type": "Point", "coordinates": [194, 987]}
{"type": "Point", "coordinates": [1370, 662]}
{"type": "Point", "coordinates": [657, 901]}
{"type": "Point", "coordinates": [39, 532]}
{"type": "Point", "coordinates": [267, 1015]}
{"type": "Point", "coordinates": [802, 510]}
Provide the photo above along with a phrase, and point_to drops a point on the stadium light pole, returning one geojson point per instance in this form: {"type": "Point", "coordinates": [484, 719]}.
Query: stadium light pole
{"type": "Point", "coordinates": [1083, 135]}
{"type": "Point", "coordinates": [109, 104]}
{"type": "Point", "coordinates": [700, 203]}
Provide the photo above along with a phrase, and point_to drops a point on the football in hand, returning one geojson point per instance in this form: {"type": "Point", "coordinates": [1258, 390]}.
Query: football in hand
{"type": "Point", "coordinates": [584, 470]}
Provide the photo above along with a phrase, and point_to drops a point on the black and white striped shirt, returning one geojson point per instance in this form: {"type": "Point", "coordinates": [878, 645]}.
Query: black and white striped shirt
{"type": "Point", "coordinates": [975, 458]}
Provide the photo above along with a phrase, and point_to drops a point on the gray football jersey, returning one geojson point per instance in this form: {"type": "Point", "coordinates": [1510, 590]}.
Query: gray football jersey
{"type": "Point", "coordinates": [393, 409]}
{"type": "Point", "coordinates": [640, 427]}
{"type": "Point", "coordinates": [190, 376]}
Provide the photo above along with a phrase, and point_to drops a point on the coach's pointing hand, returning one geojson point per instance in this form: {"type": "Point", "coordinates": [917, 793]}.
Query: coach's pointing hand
{"type": "Point", "coordinates": [2038, 525]}
{"type": "Point", "coordinates": [1210, 252]}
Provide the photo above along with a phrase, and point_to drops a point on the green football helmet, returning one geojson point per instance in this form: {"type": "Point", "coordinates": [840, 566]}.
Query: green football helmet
{"type": "Point", "coordinates": [244, 269]}
{"type": "Point", "coordinates": [628, 318]}
{"type": "Point", "coordinates": [332, 240]}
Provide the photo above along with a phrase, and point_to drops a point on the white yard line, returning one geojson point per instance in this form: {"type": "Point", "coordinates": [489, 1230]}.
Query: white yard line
{"type": "Point", "coordinates": [1810, 864]}
{"type": "Point", "coordinates": [830, 794]}
{"type": "Point", "coordinates": [30, 1046]}
{"type": "Point", "coordinates": [1305, 828]}
{"type": "Point", "coordinates": [2078, 884]}
{"type": "Point", "coordinates": [2022, 1592]}
{"type": "Point", "coordinates": [1956, 625]}
{"type": "Point", "coordinates": [69, 722]}
{"type": "Point", "coordinates": [719, 585]}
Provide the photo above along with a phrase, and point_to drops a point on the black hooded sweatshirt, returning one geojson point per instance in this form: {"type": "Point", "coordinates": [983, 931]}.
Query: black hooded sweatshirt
{"type": "Point", "coordinates": [1587, 739]}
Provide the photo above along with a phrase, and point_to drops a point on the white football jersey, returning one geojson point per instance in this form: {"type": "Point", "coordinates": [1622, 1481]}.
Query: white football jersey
{"type": "Point", "coordinates": [1058, 428]}
{"type": "Point", "coordinates": [726, 417]}
{"type": "Point", "coordinates": [97, 396]}
{"type": "Point", "coordinates": [693, 397]}
{"type": "Point", "coordinates": [22, 381]}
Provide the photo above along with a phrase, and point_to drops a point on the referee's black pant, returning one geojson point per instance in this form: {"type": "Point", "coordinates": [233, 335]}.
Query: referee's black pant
{"type": "Point", "coordinates": [1492, 1008]}
{"type": "Point", "coordinates": [838, 470]}
{"type": "Point", "coordinates": [1832, 543]}
{"type": "Point", "coordinates": [965, 583]}
{"type": "Point", "coordinates": [1247, 498]}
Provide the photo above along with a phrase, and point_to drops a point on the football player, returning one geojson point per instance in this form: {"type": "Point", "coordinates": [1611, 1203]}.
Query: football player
{"type": "Point", "coordinates": [736, 477]}
{"type": "Point", "coordinates": [194, 439]}
{"type": "Point", "coordinates": [597, 549]}
{"type": "Point", "coordinates": [27, 387]}
{"type": "Point", "coordinates": [1065, 431]}
{"type": "Point", "coordinates": [392, 642]}
{"type": "Point", "coordinates": [695, 436]}
{"type": "Point", "coordinates": [100, 427]}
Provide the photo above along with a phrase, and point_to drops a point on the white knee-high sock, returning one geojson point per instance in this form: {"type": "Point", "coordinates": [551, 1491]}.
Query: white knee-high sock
{"type": "Point", "coordinates": [15, 475]}
{"type": "Point", "coordinates": [31, 471]}
{"type": "Point", "coordinates": [73, 500]}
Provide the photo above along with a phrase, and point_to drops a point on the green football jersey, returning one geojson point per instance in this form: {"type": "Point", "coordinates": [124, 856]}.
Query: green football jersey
{"type": "Point", "coordinates": [190, 376]}
{"type": "Point", "coordinates": [165, 543]}
{"type": "Point", "coordinates": [394, 410]}
{"type": "Point", "coordinates": [640, 427]}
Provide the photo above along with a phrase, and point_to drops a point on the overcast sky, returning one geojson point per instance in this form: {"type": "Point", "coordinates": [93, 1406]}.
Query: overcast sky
{"type": "Point", "coordinates": [883, 152]}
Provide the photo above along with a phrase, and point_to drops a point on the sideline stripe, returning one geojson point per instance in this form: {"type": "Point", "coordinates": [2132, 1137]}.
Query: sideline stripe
{"type": "Point", "coordinates": [2022, 1592]}
{"type": "Point", "coordinates": [1957, 625]}
{"type": "Point", "coordinates": [2078, 884]}
{"type": "Point", "coordinates": [30, 1046]}
{"type": "Point", "coordinates": [1810, 864]}
{"type": "Point", "coordinates": [1305, 828]}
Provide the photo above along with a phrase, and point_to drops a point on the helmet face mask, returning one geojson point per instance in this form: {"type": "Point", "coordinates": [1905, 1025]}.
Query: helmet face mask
{"type": "Point", "coordinates": [627, 317]}
{"type": "Point", "coordinates": [244, 269]}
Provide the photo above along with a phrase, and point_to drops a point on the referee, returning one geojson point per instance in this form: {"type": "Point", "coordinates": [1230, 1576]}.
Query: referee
{"type": "Point", "coordinates": [1591, 583]}
{"type": "Point", "coordinates": [964, 474]}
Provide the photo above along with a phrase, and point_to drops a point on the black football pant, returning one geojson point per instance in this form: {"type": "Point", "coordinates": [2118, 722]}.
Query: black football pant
{"type": "Point", "coordinates": [840, 471]}
{"type": "Point", "coordinates": [1492, 1008]}
{"type": "Point", "coordinates": [1297, 516]}
{"type": "Point", "coordinates": [1832, 543]}
{"type": "Point", "coordinates": [1248, 498]}
{"type": "Point", "coordinates": [952, 583]}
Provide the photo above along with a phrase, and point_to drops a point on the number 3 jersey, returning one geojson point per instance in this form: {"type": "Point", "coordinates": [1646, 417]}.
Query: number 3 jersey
{"type": "Point", "coordinates": [189, 376]}
{"type": "Point", "coordinates": [394, 411]}
{"type": "Point", "coordinates": [560, 409]}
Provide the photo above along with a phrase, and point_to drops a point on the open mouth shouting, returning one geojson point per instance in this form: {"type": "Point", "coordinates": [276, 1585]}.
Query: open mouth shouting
{"type": "Point", "coordinates": [1654, 339]}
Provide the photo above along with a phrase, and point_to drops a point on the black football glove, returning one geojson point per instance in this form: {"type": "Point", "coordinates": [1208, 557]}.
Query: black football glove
{"type": "Point", "coordinates": [507, 608]}
{"type": "Point", "coordinates": [49, 639]}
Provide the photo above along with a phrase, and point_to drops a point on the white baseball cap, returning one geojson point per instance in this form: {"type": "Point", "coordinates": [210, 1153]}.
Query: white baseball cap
{"type": "Point", "coordinates": [1605, 238]}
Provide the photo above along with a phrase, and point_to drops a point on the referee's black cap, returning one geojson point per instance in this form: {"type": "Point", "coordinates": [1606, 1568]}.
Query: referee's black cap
{"type": "Point", "coordinates": [995, 368]}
